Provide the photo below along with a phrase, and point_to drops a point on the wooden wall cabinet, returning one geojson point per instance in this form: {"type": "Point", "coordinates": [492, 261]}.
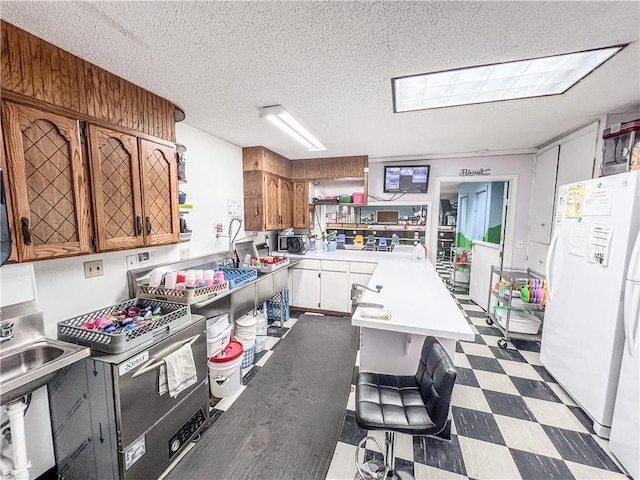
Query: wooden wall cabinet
{"type": "Point", "coordinates": [48, 184]}
{"type": "Point", "coordinates": [159, 172]}
{"type": "Point", "coordinates": [268, 201]}
{"type": "Point", "coordinates": [330, 168]}
{"type": "Point", "coordinates": [13, 257]}
{"type": "Point", "coordinates": [301, 205]}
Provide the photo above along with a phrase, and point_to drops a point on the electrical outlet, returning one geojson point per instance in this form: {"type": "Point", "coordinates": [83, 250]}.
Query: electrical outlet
{"type": "Point", "coordinates": [93, 269]}
{"type": "Point", "coordinates": [185, 253]}
{"type": "Point", "coordinates": [131, 262]}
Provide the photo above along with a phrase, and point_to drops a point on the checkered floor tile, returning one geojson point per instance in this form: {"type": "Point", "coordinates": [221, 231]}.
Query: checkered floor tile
{"type": "Point", "coordinates": [511, 420]}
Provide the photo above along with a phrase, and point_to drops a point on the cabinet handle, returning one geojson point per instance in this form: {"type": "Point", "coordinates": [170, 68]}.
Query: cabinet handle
{"type": "Point", "coordinates": [542, 224]}
{"type": "Point", "coordinates": [148, 226]}
{"type": "Point", "coordinates": [138, 225]}
{"type": "Point", "coordinates": [26, 231]}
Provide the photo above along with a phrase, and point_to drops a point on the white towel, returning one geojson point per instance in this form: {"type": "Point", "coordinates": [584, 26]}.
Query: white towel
{"type": "Point", "coordinates": [375, 313]}
{"type": "Point", "coordinates": [177, 372]}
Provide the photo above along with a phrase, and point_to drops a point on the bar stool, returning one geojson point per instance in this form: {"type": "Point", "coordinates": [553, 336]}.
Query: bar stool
{"type": "Point", "coordinates": [412, 404]}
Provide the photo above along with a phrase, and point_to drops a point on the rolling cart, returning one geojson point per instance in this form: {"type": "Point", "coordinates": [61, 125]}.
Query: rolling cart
{"type": "Point", "coordinates": [512, 315]}
{"type": "Point", "coordinates": [459, 268]}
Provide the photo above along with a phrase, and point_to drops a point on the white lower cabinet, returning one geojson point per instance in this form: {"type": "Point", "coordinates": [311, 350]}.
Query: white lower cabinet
{"type": "Point", "coordinates": [326, 285]}
{"type": "Point", "coordinates": [305, 288]}
{"type": "Point", "coordinates": [335, 292]}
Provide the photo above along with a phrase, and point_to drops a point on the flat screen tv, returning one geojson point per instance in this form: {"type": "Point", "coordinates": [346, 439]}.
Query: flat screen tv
{"type": "Point", "coordinates": [406, 179]}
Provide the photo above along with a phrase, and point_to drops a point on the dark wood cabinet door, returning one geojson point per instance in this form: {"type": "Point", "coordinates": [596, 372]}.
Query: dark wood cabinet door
{"type": "Point", "coordinates": [286, 203]}
{"type": "Point", "coordinates": [13, 257]}
{"type": "Point", "coordinates": [159, 179]}
{"type": "Point", "coordinates": [115, 182]}
{"type": "Point", "coordinates": [271, 202]}
{"type": "Point", "coordinates": [48, 184]}
{"type": "Point", "coordinates": [300, 204]}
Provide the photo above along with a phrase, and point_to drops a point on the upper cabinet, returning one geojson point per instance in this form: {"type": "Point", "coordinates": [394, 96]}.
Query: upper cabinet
{"type": "Point", "coordinates": [91, 163]}
{"type": "Point", "coordinates": [48, 184]}
{"type": "Point", "coordinates": [301, 205]}
{"type": "Point", "coordinates": [159, 193]}
{"type": "Point", "coordinates": [115, 182]}
{"type": "Point", "coordinates": [330, 168]}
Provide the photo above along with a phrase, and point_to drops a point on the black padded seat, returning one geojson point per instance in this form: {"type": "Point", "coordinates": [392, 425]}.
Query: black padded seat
{"type": "Point", "coordinates": [413, 404]}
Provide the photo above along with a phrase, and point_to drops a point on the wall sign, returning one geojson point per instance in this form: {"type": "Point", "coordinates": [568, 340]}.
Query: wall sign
{"type": "Point", "coordinates": [468, 172]}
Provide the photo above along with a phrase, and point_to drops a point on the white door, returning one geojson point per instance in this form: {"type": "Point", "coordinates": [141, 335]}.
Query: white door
{"type": "Point", "coordinates": [483, 256]}
{"type": "Point", "coordinates": [305, 288]}
{"type": "Point", "coordinates": [543, 195]}
{"type": "Point", "coordinates": [480, 215]}
{"type": "Point", "coordinates": [335, 293]}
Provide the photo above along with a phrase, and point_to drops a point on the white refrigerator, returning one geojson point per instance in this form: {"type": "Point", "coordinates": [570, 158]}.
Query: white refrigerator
{"type": "Point", "coordinates": [625, 428]}
{"type": "Point", "coordinates": [588, 263]}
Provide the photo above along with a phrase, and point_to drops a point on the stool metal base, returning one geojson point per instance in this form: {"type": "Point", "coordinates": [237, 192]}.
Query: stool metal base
{"type": "Point", "coordinates": [374, 470]}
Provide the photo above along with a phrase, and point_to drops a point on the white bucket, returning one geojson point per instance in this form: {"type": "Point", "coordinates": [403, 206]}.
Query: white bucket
{"type": "Point", "coordinates": [261, 343]}
{"type": "Point", "coordinates": [217, 325]}
{"type": "Point", "coordinates": [225, 379]}
{"type": "Point", "coordinates": [217, 344]}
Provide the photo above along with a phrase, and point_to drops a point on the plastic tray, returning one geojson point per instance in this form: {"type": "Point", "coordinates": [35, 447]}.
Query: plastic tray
{"type": "Point", "coordinates": [271, 267]}
{"type": "Point", "coordinates": [187, 297]}
{"type": "Point", "coordinates": [172, 315]}
{"type": "Point", "coordinates": [238, 276]}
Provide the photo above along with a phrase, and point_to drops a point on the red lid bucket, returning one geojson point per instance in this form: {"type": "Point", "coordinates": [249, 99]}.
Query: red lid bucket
{"type": "Point", "coordinates": [230, 353]}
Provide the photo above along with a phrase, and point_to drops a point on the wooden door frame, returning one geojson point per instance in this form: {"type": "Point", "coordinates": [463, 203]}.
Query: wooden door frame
{"type": "Point", "coordinates": [510, 230]}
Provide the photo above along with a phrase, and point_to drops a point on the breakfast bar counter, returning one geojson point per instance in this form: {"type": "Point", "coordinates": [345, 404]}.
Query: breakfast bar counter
{"type": "Point", "coordinates": [419, 303]}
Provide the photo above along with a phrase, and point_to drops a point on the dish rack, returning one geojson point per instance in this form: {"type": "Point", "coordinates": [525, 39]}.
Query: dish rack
{"type": "Point", "coordinates": [238, 276]}
{"type": "Point", "coordinates": [171, 316]}
{"type": "Point", "coordinates": [271, 267]}
{"type": "Point", "coordinates": [187, 297]}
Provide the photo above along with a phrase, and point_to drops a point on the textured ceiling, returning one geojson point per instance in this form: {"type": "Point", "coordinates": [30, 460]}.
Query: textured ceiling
{"type": "Point", "coordinates": [331, 64]}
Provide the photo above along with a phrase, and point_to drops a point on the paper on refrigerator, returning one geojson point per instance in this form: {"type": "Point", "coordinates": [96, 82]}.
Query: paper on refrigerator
{"type": "Point", "coordinates": [578, 236]}
{"type": "Point", "coordinates": [598, 200]}
{"type": "Point", "coordinates": [600, 243]}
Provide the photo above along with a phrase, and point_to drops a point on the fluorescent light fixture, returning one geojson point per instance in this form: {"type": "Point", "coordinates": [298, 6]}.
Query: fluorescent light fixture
{"type": "Point", "coordinates": [501, 81]}
{"type": "Point", "coordinates": [279, 116]}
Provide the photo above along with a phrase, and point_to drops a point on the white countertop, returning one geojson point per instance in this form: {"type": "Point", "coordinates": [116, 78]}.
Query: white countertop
{"type": "Point", "coordinates": [418, 300]}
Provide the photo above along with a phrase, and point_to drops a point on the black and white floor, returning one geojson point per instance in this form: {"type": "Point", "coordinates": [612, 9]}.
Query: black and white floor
{"type": "Point", "coordinates": [511, 420]}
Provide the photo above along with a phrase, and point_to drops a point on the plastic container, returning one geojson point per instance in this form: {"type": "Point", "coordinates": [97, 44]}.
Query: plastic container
{"type": "Point", "coordinates": [261, 343]}
{"type": "Point", "coordinates": [217, 344]}
{"type": "Point", "coordinates": [519, 321]}
{"type": "Point", "coordinates": [182, 198]}
{"type": "Point", "coordinates": [217, 325]}
{"type": "Point", "coordinates": [344, 198]}
{"type": "Point", "coordinates": [357, 197]}
{"type": "Point", "coordinates": [418, 253]}
{"type": "Point", "coordinates": [225, 378]}
{"type": "Point", "coordinates": [249, 356]}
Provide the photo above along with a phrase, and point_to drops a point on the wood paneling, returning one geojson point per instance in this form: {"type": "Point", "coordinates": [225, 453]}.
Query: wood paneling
{"type": "Point", "coordinates": [329, 168]}
{"type": "Point", "coordinates": [7, 195]}
{"type": "Point", "coordinates": [37, 69]}
{"type": "Point", "coordinates": [286, 203]}
{"type": "Point", "coordinates": [261, 158]}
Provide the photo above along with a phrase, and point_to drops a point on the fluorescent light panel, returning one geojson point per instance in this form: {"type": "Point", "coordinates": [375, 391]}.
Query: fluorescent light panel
{"type": "Point", "coordinates": [279, 116]}
{"type": "Point", "coordinates": [501, 81]}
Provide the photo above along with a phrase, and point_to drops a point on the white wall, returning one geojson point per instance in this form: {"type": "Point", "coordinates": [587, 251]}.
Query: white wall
{"type": "Point", "coordinates": [520, 165]}
{"type": "Point", "coordinates": [214, 173]}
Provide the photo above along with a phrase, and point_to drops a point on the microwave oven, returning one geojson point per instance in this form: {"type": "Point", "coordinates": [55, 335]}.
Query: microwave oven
{"type": "Point", "coordinates": [621, 148]}
{"type": "Point", "coordinates": [294, 243]}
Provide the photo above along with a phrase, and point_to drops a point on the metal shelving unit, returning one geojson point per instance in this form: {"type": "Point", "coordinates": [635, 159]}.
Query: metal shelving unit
{"type": "Point", "coordinates": [517, 278]}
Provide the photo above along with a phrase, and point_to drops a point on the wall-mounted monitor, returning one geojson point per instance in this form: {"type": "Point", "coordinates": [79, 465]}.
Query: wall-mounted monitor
{"type": "Point", "coordinates": [387, 216]}
{"type": "Point", "coordinates": [405, 179]}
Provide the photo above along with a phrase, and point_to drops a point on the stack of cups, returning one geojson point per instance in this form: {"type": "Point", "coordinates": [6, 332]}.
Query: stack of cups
{"type": "Point", "coordinates": [245, 330]}
{"type": "Point", "coordinates": [190, 280]}
{"type": "Point", "coordinates": [170, 280]}
{"type": "Point", "coordinates": [208, 277]}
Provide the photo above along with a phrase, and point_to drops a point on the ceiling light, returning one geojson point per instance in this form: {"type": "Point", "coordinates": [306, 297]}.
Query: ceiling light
{"type": "Point", "coordinates": [279, 116]}
{"type": "Point", "coordinates": [501, 81]}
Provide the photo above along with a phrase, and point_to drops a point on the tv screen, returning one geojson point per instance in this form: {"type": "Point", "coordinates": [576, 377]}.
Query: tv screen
{"type": "Point", "coordinates": [406, 179]}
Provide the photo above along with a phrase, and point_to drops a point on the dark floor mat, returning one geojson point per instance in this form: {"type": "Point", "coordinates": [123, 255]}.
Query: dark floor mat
{"type": "Point", "coordinates": [286, 424]}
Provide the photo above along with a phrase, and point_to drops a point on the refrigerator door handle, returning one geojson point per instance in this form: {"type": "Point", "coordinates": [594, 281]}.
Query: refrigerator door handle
{"type": "Point", "coordinates": [548, 263]}
{"type": "Point", "coordinates": [633, 272]}
{"type": "Point", "coordinates": [631, 314]}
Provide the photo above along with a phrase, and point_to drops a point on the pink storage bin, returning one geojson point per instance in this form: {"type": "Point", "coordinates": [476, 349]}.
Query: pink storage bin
{"type": "Point", "coordinates": [358, 197]}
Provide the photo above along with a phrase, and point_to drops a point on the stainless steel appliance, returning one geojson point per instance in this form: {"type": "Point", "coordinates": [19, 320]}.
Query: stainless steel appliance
{"type": "Point", "coordinates": [109, 420]}
{"type": "Point", "coordinates": [293, 243]}
{"type": "Point", "coordinates": [621, 147]}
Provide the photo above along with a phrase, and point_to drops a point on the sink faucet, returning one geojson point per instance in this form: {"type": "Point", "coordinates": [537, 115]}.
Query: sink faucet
{"type": "Point", "coordinates": [356, 293]}
{"type": "Point", "coordinates": [6, 332]}
{"type": "Point", "coordinates": [230, 235]}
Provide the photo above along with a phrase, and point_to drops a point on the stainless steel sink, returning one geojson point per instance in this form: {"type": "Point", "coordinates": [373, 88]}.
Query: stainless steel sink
{"type": "Point", "coordinates": [30, 360]}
